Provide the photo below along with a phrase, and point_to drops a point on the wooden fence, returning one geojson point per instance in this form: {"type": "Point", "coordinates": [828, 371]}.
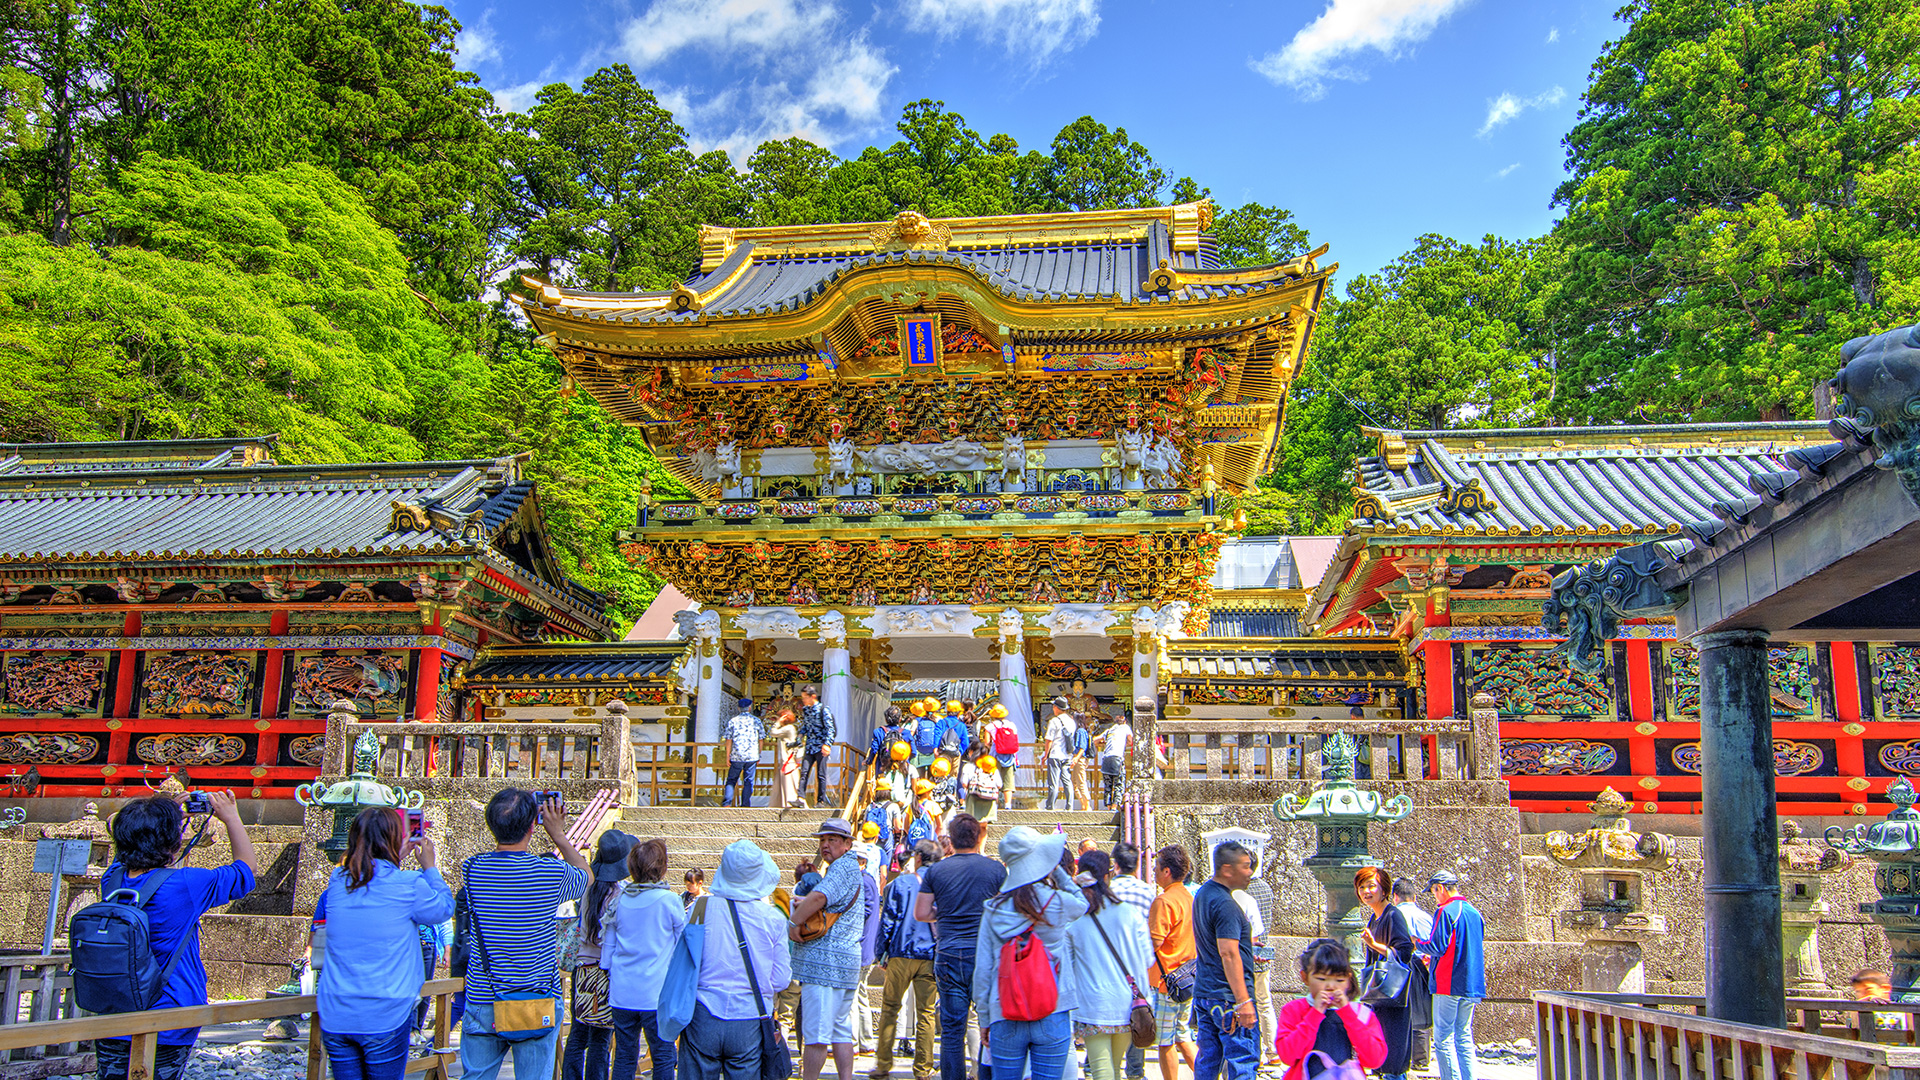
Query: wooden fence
{"type": "Point", "coordinates": [1661, 1037]}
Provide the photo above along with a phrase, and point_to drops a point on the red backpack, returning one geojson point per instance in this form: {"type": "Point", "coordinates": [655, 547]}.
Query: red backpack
{"type": "Point", "coordinates": [1028, 990]}
{"type": "Point", "coordinates": [1006, 740]}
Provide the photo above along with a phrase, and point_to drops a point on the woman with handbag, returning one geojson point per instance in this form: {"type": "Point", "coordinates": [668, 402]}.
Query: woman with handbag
{"type": "Point", "coordinates": [590, 1014]}
{"type": "Point", "coordinates": [745, 961]}
{"type": "Point", "coordinates": [1111, 954]}
{"type": "Point", "coordinates": [639, 935]}
{"type": "Point", "coordinates": [1024, 985]}
{"type": "Point", "coordinates": [1389, 970]}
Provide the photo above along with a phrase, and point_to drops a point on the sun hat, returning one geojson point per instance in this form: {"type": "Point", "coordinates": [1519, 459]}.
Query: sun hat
{"type": "Point", "coordinates": [834, 826]}
{"type": "Point", "coordinates": [610, 856]}
{"type": "Point", "coordinates": [745, 873]}
{"type": "Point", "coordinates": [1030, 855]}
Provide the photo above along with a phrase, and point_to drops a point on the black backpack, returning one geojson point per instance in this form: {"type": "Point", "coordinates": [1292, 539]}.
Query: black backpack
{"type": "Point", "coordinates": [114, 969]}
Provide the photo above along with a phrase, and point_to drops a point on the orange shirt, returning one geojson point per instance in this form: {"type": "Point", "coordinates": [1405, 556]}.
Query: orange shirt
{"type": "Point", "coordinates": [1170, 922]}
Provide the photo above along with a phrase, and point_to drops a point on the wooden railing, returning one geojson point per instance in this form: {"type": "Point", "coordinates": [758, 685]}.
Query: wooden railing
{"type": "Point", "coordinates": [1245, 750]}
{"type": "Point", "coordinates": [683, 773]}
{"type": "Point", "coordinates": [1636, 1037]}
{"type": "Point", "coordinates": [36, 989]}
{"type": "Point", "coordinates": [143, 1030]}
{"type": "Point", "coordinates": [472, 760]}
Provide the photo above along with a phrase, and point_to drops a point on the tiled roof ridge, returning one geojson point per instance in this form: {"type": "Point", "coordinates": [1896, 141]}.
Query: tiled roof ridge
{"type": "Point", "coordinates": [1413, 435]}
{"type": "Point", "coordinates": [437, 473]}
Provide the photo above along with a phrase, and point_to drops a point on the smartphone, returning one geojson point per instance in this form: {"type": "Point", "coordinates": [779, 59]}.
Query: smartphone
{"type": "Point", "coordinates": [198, 803]}
{"type": "Point", "coordinates": [416, 824]}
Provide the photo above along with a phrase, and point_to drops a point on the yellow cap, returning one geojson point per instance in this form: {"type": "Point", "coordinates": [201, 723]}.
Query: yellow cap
{"type": "Point", "coordinates": [955, 708]}
{"type": "Point", "coordinates": [922, 787]}
{"type": "Point", "coordinates": [869, 830]}
{"type": "Point", "coordinates": [901, 751]}
{"type": "Point", "coordinates": [942, 767]}
{"type": "Point", "coordinates": [918, 708]}
{"type": "Point", "coordinates": [988, 761]}
{"type": "Point", "coordinates": [998, 712]}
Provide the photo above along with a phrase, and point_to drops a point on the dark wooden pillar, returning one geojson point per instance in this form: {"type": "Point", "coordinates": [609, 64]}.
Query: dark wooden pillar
{"type": "Point", "coordinates": [1741, 846]}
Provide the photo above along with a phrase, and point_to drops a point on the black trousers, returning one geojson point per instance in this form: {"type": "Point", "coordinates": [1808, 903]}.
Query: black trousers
{"type": "Point", "coordinates": [817, 765]}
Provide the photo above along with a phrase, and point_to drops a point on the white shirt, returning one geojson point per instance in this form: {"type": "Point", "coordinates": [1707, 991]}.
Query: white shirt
{"type": "Point", "coordinates": [1060, 737]}
{"type": "Point", "coordinates": [1419, 920]}
{"type": "Point", "coordinates": [723, 987]}
{"type": "Point", "coordinates": [1116, 739]}
{"type": "Point", "coordinates": [1252, 911]}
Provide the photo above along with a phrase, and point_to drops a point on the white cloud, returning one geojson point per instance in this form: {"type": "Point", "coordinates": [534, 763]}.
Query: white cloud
{"type": "Point", "coordinates": [1503, 173]}
{"type": "Point", "coordinates": [1320, 50]}
{"type": "Point", "coordinates": [517, 98]}
{"type": "Point", "coordinates": [1035, 28]}
{"type": "Point", "coordinates": [476, 45]}
{"type": "Point", "coordinates": [794, 65]}
{"type": "Point", "coordinates": [1553, 34]}
{"type": "Point", "coordinates": [1506, 107]}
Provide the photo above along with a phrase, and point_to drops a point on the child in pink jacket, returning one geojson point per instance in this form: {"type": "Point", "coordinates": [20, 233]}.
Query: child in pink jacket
{"type": "Point", "coordinates": [1327, 1019]}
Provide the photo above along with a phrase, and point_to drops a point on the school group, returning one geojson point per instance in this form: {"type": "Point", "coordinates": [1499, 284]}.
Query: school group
{"type": "Point", "coordinates": [928, 761]}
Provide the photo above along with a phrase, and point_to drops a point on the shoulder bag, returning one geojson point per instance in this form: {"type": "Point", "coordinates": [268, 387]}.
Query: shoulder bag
{"type": "Point", "coordinates": [519, 1012]}
{"type": "Point", "coordinates": [821, 921]}
{"type": "Point", "coordinates": [1386, 978]}
{"type": "Point", "coordinates": [1145, 1029]}
{"type": "Point", "coordinates": [675, 1010]}
{"type": "Point", "coordinates": [776, 1061]}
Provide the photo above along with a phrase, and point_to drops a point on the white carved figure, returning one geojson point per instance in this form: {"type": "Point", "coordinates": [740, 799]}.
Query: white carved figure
{"type": "Point", "coordinates": [769, 622]}
{"type": "Point", "coordinates": [1133, 449]}
{"type": "Point", "coordinates": [1012, 623]}
{"type": "Point", "coordinates": [1173, 619]}
{"type": "Point", "coordinates": [839, 461]}
{"type": "Point", "coordinates": [1013, 463]}
{"type": "Point", "coordinates": [1145, 622]}
{"type": "Point", "coordinates": [924, 457]}
{"type": "Point", "coordinates": [685, 621]}
{"type": "Point", "coordinates": [706, 625]}
{"type": "Point", "coordinates": [1078, 620]}
{"type": "Point", "coordinates": [833, 630]}
{"type": "Point", "coordinates": [1163, 462]}
{"type": "Point", "coordinates": [924, 620]}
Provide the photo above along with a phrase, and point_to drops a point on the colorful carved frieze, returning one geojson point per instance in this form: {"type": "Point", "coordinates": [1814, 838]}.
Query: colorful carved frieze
{"type": "Point", "coordinates": [1228, 695]}
{"type": "Point", "coordinates": [532, 697]}
{"type": "Point", "coordinates": [1087, 670]}
{"type": "Point", "coordinates": [307, 749]}
{"type": "Point", "coordinates": [1902, 757]}
{"type": "Point", "coordinates": [1896, 675]}
{"type": "Point", "coordinates": [197, 684]}
{"type": "Point", "coordinates": [376, 682]}
{"type": "Point", "coordinates": [1790, 757]}
{"type": "Point", "coordinates": [189, 749]}
{"type": "Point", "coordinates": [786, 671]}
{"type": "Point", "coordinates": [1534, 682]}
{"type": "Point", "coordinates": [1790, 670]}
{"type": "Point", "coordinates": [47, 748]}
{"type": "Point", "coordinates": [54, 684]}
{"type": "Point", "coordinates": [1557, 757]}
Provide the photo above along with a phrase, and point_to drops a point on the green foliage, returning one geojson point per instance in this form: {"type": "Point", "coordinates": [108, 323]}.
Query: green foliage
{"type": "Point", "coordinates": [1258, 235]}
{"type": "Point", "coordinates": [1743, 195]}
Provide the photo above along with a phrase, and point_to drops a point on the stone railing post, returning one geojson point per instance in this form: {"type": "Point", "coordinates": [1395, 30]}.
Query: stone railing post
{"type": "Point", "coordinates": [333, 757]}
{"type": "Point", "coordinates": [1146, 738]}
{"type": "Point", "coordinates": [616, 750]}
{"type": "Point", "coordinates": [1483, 751]}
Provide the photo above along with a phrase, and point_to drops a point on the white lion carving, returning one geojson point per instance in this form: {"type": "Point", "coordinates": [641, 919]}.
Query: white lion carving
{"type": "Point", "coordinates": [1012, 623]}
{"type": "Point", "coordinates": [839, 461]}
{"type": "Point", "coordinates": [833, 630]}
{"type": "Point", "coordinates": [1134, 447]}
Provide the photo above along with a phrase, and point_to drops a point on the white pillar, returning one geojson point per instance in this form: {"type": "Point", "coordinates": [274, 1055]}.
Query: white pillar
{"type": "Point", "coordinates": [1146, 655]}
{"type": "Point", "coordinates": [1015, 692]}
{"type": "Point", "coordinates": [836, 674]}
{"type": "Point", "coordinates": [709, 701]}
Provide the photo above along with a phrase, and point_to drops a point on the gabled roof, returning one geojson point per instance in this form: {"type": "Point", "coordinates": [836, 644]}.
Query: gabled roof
{"type": "Point", "coordinates": [572, 664]}
{"type": "Point", "coordinates": [17, 459]}
{"type": "Point", "coordinates": [1567, 480]}
{"type": "Point", "coordinates": [1300, 662]}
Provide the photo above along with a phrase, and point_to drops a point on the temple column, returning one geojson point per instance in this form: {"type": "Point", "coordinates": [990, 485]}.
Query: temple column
{"type": "Point", "coordinates": [1740, 845]}
{"type": "Point", "coordinates": [1015, 690]}
{"type": "Point", "coordinates": [1146, 656]}
{"type": "Point", "coordinates": [709, 692]}
{"type": "Point", "coordinates": [836, 674]}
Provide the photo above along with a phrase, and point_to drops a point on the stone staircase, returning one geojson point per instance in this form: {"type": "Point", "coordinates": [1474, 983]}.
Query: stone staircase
{"type": "Point", "coordinates": [695, 835]}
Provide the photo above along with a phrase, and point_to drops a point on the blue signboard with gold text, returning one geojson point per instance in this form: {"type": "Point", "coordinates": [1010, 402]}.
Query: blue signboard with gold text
{"type": "Point", "coordinates": [922, 333]}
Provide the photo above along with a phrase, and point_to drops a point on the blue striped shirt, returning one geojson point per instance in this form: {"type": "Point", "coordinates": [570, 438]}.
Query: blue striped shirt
{"type": "Point", "coordinates": [511, 896]}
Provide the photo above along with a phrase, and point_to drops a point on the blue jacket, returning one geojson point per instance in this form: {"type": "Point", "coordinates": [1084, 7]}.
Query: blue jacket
{"type": "Point", "coordinates": [902, 935]}
{"type": "Point", "coordinates": [1458, 950]}
{"type": "Point", "coordinates": [373, 971]}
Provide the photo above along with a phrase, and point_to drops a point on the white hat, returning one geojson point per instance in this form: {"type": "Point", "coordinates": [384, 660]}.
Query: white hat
{"type": "Point", "coordinates": [1030, 855]}
{"type": "Point", "coordinates": [745, 873]}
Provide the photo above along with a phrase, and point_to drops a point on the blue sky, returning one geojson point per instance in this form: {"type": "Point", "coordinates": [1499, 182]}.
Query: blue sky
{"type": "Point", "coordinates": [1372, 120]}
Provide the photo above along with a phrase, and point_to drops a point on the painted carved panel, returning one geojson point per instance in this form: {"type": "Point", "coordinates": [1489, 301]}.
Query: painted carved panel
{"type": "Point", "coordinates": [212, 684]}
{"type": "Point", "coordinates": [374, 680]}
{"type": "Point", "coordinates": [1896, 682]}
{"type": "Point", "coordinates": [1536, 683]}
{"type": "Point", "coordinates": [1558, 757]}
{"type": "Point", "coordinates": [54, 684]}
{"type": "Point", "coordinates": [1796, 690]}
{"type": "Point", "coordinates": [48, 748]}
{"type": "Point", "coordinates": [1791, 757]}
{"type": "Point", "coordinates": [190, 749]}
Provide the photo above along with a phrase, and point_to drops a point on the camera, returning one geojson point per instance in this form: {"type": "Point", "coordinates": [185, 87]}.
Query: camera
{"type": "Point", "coordinates": [198, 803]}
{"type": "Point", "coordinates": [543, 796]}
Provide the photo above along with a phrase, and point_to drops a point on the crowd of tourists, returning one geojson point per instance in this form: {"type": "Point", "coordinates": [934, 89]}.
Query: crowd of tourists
{"type": "Point", "coordinates": [1006, 965]}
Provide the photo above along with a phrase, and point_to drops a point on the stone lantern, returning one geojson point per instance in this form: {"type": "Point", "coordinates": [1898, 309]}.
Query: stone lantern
{"type": "Point", "coordinates": [1894, 843]}
{"type": "Point", "coordinates": [1340, 813]}
{"type": "Point", "coordinates": [1615, 919]}
{"type": "Point", "coordinates": [346, 798]}
{"type": "Point", "coordinates": [1803, 867]}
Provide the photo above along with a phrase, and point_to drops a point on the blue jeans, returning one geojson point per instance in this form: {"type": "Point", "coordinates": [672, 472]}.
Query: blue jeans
{"type": "Point", "coordinates": [1222, 1046]}
{"type": "Point", "coordinates": [1045, 1046]}
{"type": "Point", "coordinates": [953, 974]}
{"type": "Point", "coordinates": [481, 1051]}
{"type": "Point", "coordinates": [368, 1057]}
{"type": "Point", "coordinates": [628, 1026]}
{"type": "Point", "coordinates": [112, 1057]}
{"type": "Point", "coordinates": [717, 1049]}
{"type": "Point", "coordinates": [739, 773]}
{"type": "Point", "coordinates": [1453, 1036]}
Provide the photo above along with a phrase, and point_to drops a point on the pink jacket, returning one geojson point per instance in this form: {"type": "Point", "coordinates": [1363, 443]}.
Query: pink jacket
{"type": "Point", "coordinates": [1299, 1025]}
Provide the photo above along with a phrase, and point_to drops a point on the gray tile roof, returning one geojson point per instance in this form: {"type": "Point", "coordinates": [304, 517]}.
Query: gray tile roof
{"type": "Point", "coordinates": [147, 512]}
{"type": "Point", "coordinates": [1603, 480]}
{"type": "Point", "coordinates": [572, 663]}
{"type": "Point", "coordinates": [1115, 270]}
